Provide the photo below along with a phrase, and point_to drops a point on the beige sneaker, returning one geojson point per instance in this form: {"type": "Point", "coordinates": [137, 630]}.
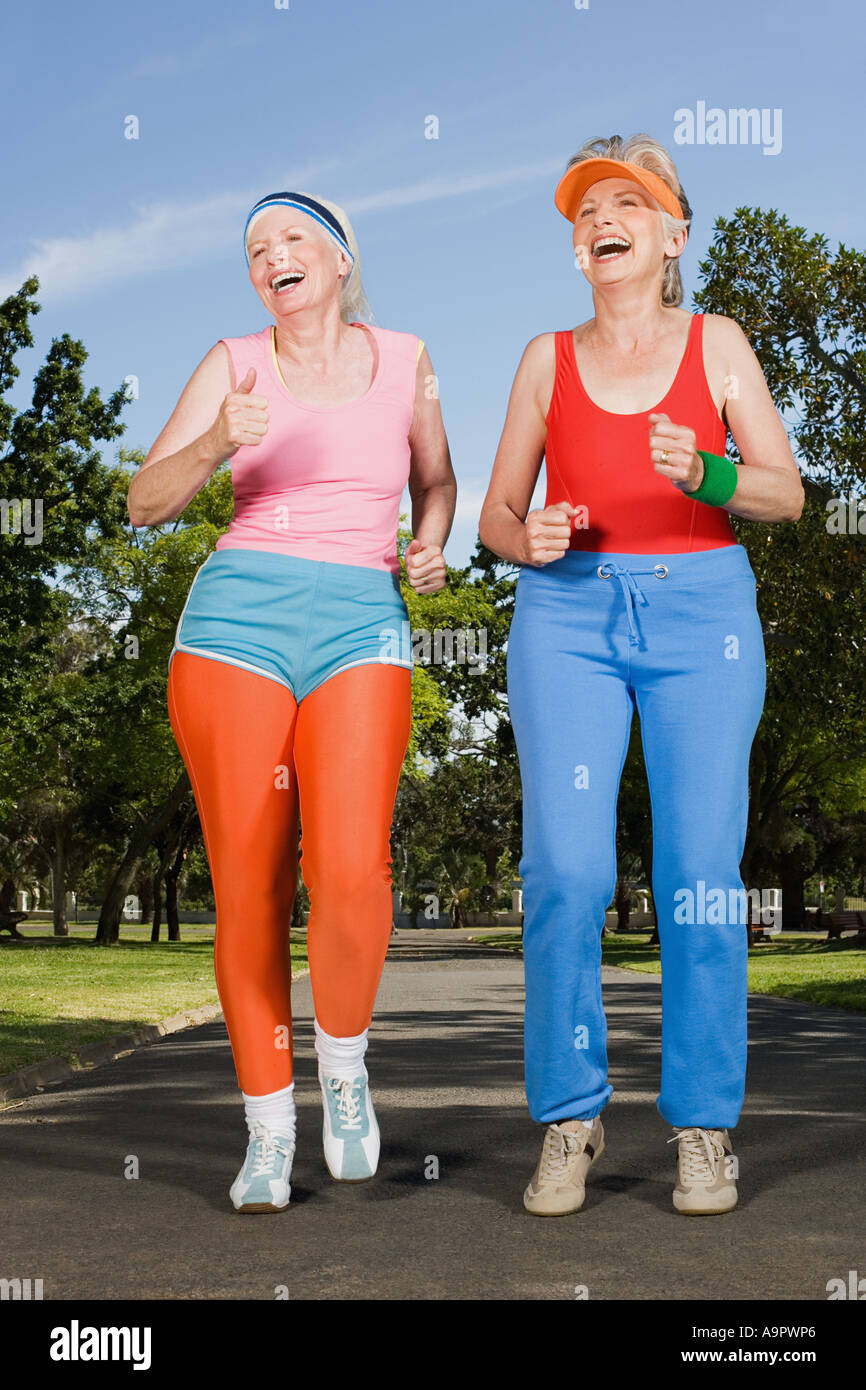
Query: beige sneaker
{"type": "Point", "coordinates": [706, 1182]}
{"type": "Point", "coordinates": [557, 1186]}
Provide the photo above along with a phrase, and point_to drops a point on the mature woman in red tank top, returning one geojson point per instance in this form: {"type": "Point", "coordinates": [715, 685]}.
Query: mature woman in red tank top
{"type": "Point", "coordinates": [634, 595]}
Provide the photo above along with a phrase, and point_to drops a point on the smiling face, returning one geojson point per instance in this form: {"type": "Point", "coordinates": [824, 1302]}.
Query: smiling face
{"type": "Point", "coordinates": [294, 263]}
{"type": "Point", "coordinates": [619, 235]}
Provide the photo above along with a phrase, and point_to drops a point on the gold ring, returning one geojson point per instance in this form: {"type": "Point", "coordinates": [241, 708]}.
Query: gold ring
{"type": "Point", "coordinates": [665, 456]}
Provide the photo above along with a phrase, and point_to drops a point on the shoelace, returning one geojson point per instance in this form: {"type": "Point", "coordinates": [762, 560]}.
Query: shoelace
{"type": "Point", "coordinates": [348, 1107]}
{"type": "Point", "coordinates": [266, 1146]}
{"type": "Point", "coordinates": [700, 1151]}
{"type": "Point", "coordinates": [559, 1146]}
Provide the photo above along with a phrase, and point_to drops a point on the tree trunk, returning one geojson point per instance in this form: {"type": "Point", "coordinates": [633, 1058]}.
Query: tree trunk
{"type": "Point", "coordinates": [622, 902]}
{"type": "Point", "coordinates": [172, 874]}
{"type": "Point", "coordinates": [108, 927]}
{"type": "Point", "coordinates": [171, 848]}
{"type": "Point", "coordinates": [156, 918]}
{"type": "Point", "coordinates": [58, 880]}
{"type": "Point", "coordinates": [646, 860]}
{"type": "Point", "coordinates": [491, 859]}
{"type": "Point", "coordinates": [145, 896]}
{"type": "Point", "coordinates": [792, 880]}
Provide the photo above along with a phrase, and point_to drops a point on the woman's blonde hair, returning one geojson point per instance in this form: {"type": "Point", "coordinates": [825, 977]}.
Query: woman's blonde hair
{"type": "Point", "coordinates": [353, 301]}
{"type": "Point", "coordinates": [648, 154]}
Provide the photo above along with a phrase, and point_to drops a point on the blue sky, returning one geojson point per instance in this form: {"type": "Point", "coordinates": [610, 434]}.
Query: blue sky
{"type": "Point", "coordinates": [138, 243]}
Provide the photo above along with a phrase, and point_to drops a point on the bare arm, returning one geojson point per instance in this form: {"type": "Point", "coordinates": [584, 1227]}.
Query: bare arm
{"type": "Point", "coordinates": [768, 485]}
{"type": "Point", "coordinates": [207, 426]}
{"type": "Point", "coordinates": [503, 526]}
{"type": "Point", "coordinates": [432, 485]}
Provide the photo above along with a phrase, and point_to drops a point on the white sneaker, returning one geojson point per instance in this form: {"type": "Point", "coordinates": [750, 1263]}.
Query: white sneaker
{"type": "Point", "coordinates": [350, 1132]}
{"type": "Point", "coordinates": [705, 1172]}
{"type": "Point", "coordinates": [263, 1182]}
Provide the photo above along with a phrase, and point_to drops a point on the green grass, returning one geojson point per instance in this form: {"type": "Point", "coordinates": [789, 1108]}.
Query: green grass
{"type": "Point", "coordinates": [810, 969]}
{"type": "Point", "coordinates": [56, 996]}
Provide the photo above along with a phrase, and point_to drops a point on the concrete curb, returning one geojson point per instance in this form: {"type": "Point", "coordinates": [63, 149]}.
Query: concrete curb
{"type": "Point", "coordinates": [32, 1079]}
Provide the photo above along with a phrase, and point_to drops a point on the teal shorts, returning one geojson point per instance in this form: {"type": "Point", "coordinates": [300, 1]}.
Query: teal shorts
{"type": "Point", "coordinates": [293, 620]}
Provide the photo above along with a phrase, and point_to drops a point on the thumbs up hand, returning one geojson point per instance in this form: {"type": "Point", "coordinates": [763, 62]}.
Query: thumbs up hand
{"type": "Point", "coordinates": [242, 418]}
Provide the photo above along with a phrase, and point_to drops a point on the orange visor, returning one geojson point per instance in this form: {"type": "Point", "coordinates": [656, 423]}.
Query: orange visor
{"type": "Point", "coordinates": [574, 183]}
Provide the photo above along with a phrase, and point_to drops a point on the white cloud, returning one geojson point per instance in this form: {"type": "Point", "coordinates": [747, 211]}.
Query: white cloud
{"type": "Point", "coordinates": [166, 235]}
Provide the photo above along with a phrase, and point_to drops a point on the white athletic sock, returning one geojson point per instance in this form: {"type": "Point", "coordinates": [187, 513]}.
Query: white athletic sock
{"type": "Point", "coordinates": [342, 1057]}
{"type": "Point", "coordinates": [276, 1111]}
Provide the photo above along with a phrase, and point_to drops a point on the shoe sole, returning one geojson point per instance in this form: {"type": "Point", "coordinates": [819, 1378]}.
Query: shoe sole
{"type": "Point", "coordinates": [705, 1211]}
{"type": "Point", "coordinates": [254, 1207]}
{"type": "Point", "coordinates": [569, 1211]}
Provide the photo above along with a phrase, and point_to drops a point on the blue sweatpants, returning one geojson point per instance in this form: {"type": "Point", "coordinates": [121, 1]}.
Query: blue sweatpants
{"type": "Point", "coordinates": [593, 636]}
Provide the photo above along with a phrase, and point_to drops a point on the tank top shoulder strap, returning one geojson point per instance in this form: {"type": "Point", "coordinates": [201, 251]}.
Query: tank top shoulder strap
{"type": "Point", "coordinates": [693, 390]}
{"type": "Point", "coordinates": [398, 360]}
{"type": "Point", "coordinates": [694, 346]}
{"type": "Point", "coordinates": [249, 351]}
{"type": "Point", "coordinates": [565, 378]}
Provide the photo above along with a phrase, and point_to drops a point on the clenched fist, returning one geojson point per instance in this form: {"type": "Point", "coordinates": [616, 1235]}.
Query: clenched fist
{"type": "Point", "coordinates": [673, 452]}
{"type": "Point", "coordinates": [425, 567]}
{"type": "Point", "coordinates": [546, 533]}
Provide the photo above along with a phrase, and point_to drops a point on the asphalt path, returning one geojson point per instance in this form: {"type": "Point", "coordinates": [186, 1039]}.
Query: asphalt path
{"type": "Point", "coordinates": [443, 1218]}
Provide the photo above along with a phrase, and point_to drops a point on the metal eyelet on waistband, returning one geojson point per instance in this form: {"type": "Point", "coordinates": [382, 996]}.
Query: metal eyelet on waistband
{"type": "Point", "coordinates": [601, 573]}
{"type": "Point", "coordinates": [660, 571]}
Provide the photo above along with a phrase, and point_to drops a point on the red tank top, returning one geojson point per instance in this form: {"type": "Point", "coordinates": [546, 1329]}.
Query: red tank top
{"type": "Point", "coordinates": [600, 461]}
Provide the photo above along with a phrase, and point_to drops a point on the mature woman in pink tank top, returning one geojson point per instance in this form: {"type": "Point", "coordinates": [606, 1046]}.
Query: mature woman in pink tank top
{"type": "Point", "coordinates": [290, 676]}
{"type": "Point", "coordinates": [634, 595]}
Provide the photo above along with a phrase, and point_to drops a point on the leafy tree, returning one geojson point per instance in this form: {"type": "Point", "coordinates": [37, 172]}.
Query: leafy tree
{"type": "Point", "coordinates": [56, 492]}
{"type": "Point", "coordinates": [804, 312]}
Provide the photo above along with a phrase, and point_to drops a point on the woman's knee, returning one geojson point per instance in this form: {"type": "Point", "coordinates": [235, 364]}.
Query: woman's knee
{"type": "Point", "coordinates": [557, 877]}
{"type": "Point", "coordinates": [343, 891]}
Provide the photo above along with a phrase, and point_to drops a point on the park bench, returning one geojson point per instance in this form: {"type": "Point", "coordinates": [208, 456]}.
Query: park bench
{"type": "Point", "coordinates": [760, 932]}
{"type": "Point", "coordinates": [837, 922]}
{"type": "Point", "coordinates": [9, 916]}
{"type": "Point", "coordinates": [9, 922]}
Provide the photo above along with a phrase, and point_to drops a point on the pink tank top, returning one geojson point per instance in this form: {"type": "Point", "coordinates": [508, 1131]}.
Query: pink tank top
{"type": "Point", "coordinates": [325, 482]}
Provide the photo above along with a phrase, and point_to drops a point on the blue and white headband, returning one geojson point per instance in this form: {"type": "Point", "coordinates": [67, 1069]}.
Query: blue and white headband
{"type": "Point", "coordinates": [311, 207]}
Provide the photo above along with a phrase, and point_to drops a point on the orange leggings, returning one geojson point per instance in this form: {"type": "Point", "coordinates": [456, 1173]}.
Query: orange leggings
{"type": "Point", "coordinates": [256, 759]}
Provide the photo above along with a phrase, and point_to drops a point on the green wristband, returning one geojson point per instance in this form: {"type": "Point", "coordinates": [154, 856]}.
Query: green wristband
{"type": "Point", "coordinates": [719, 482]}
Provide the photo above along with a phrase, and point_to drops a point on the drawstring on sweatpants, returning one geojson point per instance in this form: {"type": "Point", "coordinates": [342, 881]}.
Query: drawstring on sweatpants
{"type": "Point", "coordinates": [631, 590]}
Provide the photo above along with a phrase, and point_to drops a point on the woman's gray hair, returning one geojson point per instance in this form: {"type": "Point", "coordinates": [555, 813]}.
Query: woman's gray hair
{"type": "Point", "coordinates": [648, 154]}
{"type": "Point", "coordinates": [353, 301]}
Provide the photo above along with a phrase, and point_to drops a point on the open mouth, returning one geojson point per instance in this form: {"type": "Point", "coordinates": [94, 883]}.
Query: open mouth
{"type": "Point", "coordinates": [608, 248]}
{"type": "Point", "coordinates": [286, 280]}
